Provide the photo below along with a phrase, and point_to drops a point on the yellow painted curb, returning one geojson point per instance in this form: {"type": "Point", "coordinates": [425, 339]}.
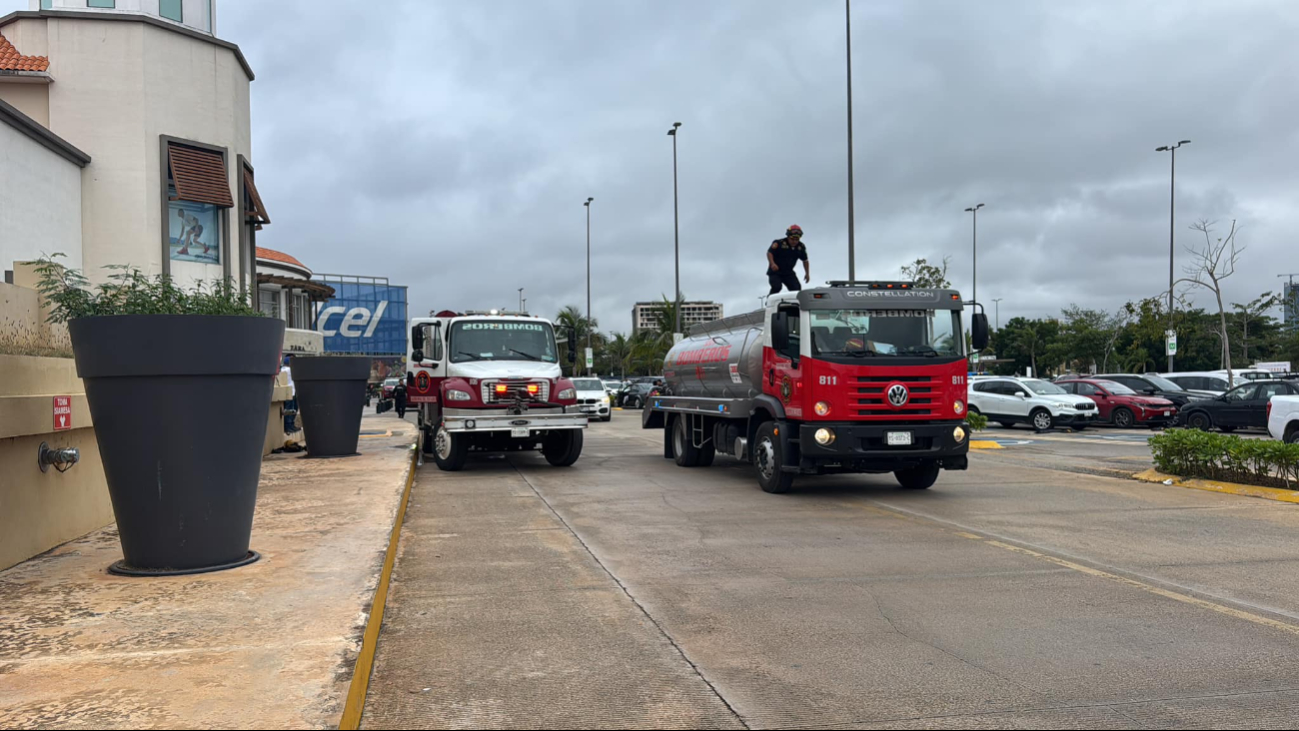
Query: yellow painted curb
{"type": "Point", "coordinates": [984, 444]}
{"type": "Point", "coordinates": [1228, 488]}
{"type": "Point", "coordinates": [370, 640]}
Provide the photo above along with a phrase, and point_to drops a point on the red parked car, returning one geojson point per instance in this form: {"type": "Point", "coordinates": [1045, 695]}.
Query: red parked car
{"type": "Point", "coordinates": [1120, 405]}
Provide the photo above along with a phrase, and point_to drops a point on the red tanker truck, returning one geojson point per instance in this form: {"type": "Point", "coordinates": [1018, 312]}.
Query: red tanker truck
{"type": "Point", "coordinates": [855, 377]}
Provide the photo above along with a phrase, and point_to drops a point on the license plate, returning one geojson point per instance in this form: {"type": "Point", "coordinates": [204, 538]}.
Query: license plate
{"type": "Point", "coordinates": [899, 439]}
{"type": "Point", "coordinates": [1168, 413]}
{"type": "Point", "coordinates": [520, 431]}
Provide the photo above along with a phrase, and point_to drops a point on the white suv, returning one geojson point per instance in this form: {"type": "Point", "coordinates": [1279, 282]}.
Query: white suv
{"type": "Point", "coordinates": [1041, 404]}
{"type": "Point", "coordinates": [592, 398]}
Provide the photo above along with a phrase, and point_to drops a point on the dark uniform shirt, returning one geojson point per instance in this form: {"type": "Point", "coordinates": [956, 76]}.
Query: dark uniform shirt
{"type": "Point", "coordinates": [787, 252]}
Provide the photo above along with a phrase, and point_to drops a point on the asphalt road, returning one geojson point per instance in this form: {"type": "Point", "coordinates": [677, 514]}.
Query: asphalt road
{"type": "Point", "coordinates": [1028, 592]}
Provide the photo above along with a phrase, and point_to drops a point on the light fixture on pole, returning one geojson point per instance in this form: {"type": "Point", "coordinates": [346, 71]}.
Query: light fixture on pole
{"type": "Point", "coordinates": [1172, 188]}
{"type": "Point", "coordinates": [974, 295]}
{"type": "Point", "coordinates": [521, 299]}
{"type": "Point", "coordinates": [998, 303]}
{"type": "Point", "coordinates": [676, 226]}
{"type": "Point", "coordinates": [588, 278]}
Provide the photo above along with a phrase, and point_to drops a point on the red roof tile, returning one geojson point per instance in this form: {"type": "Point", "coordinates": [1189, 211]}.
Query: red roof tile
{"type": "Point", "coordinates": [273, 255]}
{"type": "Point", "coordinates": [12, 60]}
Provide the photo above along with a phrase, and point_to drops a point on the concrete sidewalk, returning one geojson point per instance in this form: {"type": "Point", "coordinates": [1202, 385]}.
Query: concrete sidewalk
{"type": "Point", "coordinates": [271, 645]}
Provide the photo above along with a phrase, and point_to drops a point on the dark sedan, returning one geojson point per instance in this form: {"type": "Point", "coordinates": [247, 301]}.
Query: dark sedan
{"type": "Point", "coordinates": [1243, 407]}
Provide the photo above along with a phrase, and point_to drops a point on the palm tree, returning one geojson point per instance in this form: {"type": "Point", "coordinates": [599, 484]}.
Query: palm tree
{"type": "Point", "coordinates": [618, 351]}
{"type": "Point", "coordinates": [578, 325]}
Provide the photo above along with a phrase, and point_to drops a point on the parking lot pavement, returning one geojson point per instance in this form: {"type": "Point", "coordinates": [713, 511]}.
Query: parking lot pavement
{"type": "Point", "coordinates": [627, 591]}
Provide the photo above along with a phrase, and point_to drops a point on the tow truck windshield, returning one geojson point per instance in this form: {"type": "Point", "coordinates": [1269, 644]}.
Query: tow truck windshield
{"type": "Point", "coordinates": [903, 333]}
{"type": "Point", "coordinates": [497, 340]}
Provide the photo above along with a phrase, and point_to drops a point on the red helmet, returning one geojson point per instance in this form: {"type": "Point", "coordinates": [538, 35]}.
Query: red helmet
{"type": "Point", "coordinates": [794, 230]}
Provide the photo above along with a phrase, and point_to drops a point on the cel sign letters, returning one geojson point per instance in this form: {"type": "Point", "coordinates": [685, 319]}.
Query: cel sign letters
{"type": "Point", "coordinates": [356, 322]}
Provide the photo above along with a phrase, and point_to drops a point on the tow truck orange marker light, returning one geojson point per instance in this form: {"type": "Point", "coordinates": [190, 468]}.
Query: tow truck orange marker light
{"type": "Point", "coordinates": [502, 388]}
{"type": "Point", "coordinates": [533, 388]}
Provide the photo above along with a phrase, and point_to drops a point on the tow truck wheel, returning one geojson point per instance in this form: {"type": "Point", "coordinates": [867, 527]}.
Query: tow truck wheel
{"type": "Point", "coordinates": [768, 458]}
{"type": "Point", "coordinates": [685, 453]}
{"type": "Point", "coordinates": [918, 478]}
{"type": "Point", "coordinates": [450, 450]}
{"type": "Point", "coordinates": [562, 447]}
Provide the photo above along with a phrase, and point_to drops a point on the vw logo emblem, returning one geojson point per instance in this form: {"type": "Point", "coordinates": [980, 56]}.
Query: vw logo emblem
{"type": "Point", "coordinates": [899, 395]}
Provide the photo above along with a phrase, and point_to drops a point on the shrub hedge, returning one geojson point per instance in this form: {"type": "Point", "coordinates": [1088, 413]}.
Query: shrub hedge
{"type": "Point", "coordinates": [1192, 453]}
{"type": "Point", "coordinates": [976, 422]}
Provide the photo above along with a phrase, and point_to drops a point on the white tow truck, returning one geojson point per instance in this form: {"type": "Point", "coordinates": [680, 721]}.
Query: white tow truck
{"type": "Point", "coordinates": [1283, 418]}
{"type": "Point", "coordinates": [491, 381]}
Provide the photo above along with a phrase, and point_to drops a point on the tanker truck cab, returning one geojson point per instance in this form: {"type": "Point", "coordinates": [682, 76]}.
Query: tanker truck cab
{"type": "Point", "coordinates": [491, 382]}
{"type": "Point", "coordinates": [865, 377]}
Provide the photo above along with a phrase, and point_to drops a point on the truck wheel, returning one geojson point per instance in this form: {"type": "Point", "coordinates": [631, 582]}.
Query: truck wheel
{"type": "Point", "coordinates": [686, 454]}
{"type": "Point", "coordinates": [562, 448]}
{"type": "Point", "coordinates": [1042, 420]}
{"type": "Point", "coordinates": [1293, 436]}
{"type": "Point", "coordinates": [450, 450]}
{"type": "Point", "coordinates": [768, 457]}
{"type": "Point", "coordinates": [918, 478]}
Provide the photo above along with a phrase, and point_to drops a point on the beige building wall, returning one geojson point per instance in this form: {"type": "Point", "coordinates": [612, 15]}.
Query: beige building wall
{"type": "Point", "coordinates": [118, 87]}
{"type": "Point", "coordinates": [40, 201]}
{"type": "Point", "coordinates": [32, 99]}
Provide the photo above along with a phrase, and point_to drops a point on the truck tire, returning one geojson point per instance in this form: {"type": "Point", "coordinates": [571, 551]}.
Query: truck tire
{"type": "Point", "coordinates": [768, 458]}
{"type": "Point", "coordinates": [918, 478]}
{"type": "Point", "coordinates": [450, 451]}
{"type": "Point", "coordinates": [562, 448]}
{"type": "Point", "coordinates": [1292, 437]}
{"type": "Point", "coordinates": [685, 453]}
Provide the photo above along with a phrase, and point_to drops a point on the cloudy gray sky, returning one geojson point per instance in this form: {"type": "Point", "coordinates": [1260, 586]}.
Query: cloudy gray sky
{"type": "Point", "coordinates": [450, 145]}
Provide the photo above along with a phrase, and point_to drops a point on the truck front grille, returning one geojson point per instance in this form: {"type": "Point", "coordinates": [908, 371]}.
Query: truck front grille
{"type": "Point", "coordinates": [870, 396]}
{"type": "Point", "coordinates": [515, 391]}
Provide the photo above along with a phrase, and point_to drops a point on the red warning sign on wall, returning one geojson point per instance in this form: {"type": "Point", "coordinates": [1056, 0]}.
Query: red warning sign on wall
{"type": "Point", "coordinates": [62, 413]}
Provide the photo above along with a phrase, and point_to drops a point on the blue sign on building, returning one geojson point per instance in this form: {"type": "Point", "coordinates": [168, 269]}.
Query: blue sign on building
{"type": "Point", "coordinates": [367, 316]}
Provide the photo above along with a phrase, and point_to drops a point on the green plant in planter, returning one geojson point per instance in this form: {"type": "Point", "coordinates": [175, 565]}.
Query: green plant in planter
{"type": "Point", "coordinates": [129, 291]}
{"type": "Point", "coordinates": [178, 382]}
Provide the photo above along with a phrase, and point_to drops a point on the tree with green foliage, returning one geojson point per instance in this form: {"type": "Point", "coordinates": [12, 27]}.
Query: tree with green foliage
{"type": "Point", "coordinates": [924, 274]}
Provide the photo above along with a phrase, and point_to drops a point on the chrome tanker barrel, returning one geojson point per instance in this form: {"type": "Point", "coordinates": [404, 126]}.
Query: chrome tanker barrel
{"type": "Point", "coordinates": [719, 359]}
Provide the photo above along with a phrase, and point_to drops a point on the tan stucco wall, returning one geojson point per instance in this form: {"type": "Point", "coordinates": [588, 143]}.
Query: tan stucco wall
{"type": "Point", "coordinates": [39, 511]}
{"type": "Point", "coordinates": [119, 86]}
{"type": "Point", "coordinates": [23, 327]}
{"type": "Point", "coordinates": [29, 98]}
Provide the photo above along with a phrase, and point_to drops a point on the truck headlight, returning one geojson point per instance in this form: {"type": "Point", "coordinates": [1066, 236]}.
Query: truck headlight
{"type": "Point", "coordinates": [958, 434]}
{"type": "Point", "coordinates": [822, 408]}
{"type": "Point", "coordinates": [567, 394]}
{"type": "Point", "coordinates": [959, 406]}
{"type": "Point", "coordinates": [825, 437]}
{"type": "Point", "coordinates": [454, 395]}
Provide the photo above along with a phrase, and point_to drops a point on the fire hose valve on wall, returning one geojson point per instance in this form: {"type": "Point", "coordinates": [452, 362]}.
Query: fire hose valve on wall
{"type": "Point", "coordinates": [60, 459]}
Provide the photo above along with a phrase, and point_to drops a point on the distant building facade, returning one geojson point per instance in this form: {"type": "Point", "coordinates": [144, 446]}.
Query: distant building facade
{"type": "Point", "coordinates": [644, 314]}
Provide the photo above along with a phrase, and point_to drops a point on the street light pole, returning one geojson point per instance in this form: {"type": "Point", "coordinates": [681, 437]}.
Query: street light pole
{"type": "Point", "coordinates": [1172, 187]}
{"type": "Point", "coordinates": [520, 299]}
{"type": "Point", "coordinates": [974, 296]}
{"type": "Point", "coordinates": [852, 258]}
{"type": "Point", "coordinates": [676, 225]}
{"type": "Point", "coordinates": [998, 303]}
{"type": "Point", "coordinates": [588, 277]}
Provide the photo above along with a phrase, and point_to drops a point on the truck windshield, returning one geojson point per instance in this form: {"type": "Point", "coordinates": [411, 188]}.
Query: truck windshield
{"type": "Point", "coordinates": [911, 333]}
{"type": "Point", "coordinates": [497, 340]}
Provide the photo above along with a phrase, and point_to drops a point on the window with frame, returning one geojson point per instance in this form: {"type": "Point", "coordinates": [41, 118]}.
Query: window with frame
{"type": "Point", "coordinates": [171, 10]}
{"type": "Point", "coordinates": [299, 311]}
{"type": "Point", "coordinates": [1243, 393]}
{"type": "Point", "coordinates": [268, 301]}
{"type": "Point", "coordinates": [198, 192]}
{"type": "Point", "coordinates": [1086, 389]}
{"type": "Point", "coordinates": [110, 4]}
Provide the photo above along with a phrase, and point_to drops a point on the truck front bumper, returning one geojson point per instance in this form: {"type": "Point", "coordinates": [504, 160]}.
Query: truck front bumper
{"type": "Point", "coordinates": [861, 447]}
{"type": "Point", "coordinates": [535, 420]}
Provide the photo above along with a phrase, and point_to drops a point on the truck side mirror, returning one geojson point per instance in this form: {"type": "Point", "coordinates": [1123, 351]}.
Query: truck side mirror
{"type": "Point", "coordinates": [780, 332]}
{"type": "Point", "coordinates": [979, 331]}
{"type": "Point", "coordinates": [417, 342]}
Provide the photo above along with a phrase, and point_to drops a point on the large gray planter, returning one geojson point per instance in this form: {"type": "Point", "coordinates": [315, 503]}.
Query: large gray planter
{"type": "Point", "coordinates": [330, 390]}
{"type": "Point", "coordinates": [180, 406]}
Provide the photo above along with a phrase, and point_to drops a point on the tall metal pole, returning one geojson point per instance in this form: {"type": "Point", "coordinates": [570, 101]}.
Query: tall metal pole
{"type": "Point", "coordinates": [1172, 200]}
{"type": "Point", "coordinates": [520, 299]}
{"type": "Point", "coordinates": [998, 303]}
{"type": "Point", "coordinates": [974, 295]}
{"type": "Point", "coordinates": [852, 258]}
{"type": "Point", "coordinates": [588, 278]}
{"type": "Point", "coordinates": [676, 226]}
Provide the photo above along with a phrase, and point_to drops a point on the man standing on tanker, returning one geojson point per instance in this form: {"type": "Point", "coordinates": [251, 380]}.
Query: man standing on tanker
{"type": "Point", "coordinates": [781, 257]}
